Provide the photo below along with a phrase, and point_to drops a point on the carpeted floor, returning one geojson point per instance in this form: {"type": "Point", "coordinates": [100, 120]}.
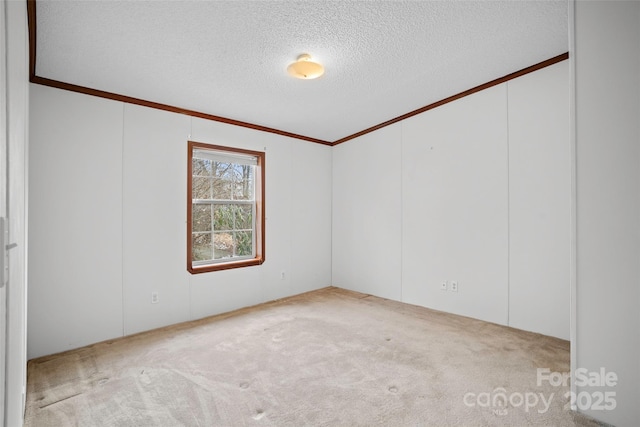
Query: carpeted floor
{"type": "Point", "coordinates": [325, 358]}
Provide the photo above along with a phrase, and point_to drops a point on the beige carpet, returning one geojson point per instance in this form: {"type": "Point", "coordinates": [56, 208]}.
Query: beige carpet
{"type": "Point", "coordinates": [326, 358]}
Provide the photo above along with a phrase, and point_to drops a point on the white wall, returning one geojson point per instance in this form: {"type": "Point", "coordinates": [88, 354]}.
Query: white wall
{"type": "Point", "coordinates": [607, 67]}
{"type": "Point", "coordinates": [17, 118]}
{"type": "Point", "coordinates": [471, 199]}
{"type": "Point", "coordinates": [108, 221]}
{"type": "Point", "coordinates": [153, 219]}
{"type": "Point", "coordinates": [75, 220]}
{"type": "Point", "coordinates": [540, 201]}
{"type": "Point", "coordinates": [454, 205]}
{"type": "Point", "coordinates": [367, 216]}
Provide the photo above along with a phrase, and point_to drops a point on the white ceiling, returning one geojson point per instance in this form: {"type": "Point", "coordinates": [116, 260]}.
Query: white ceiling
{"type": "Point", "coordinates": [229, 58]}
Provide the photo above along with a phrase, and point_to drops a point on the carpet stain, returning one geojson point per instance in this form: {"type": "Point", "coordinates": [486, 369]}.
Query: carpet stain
{"type": "Point", "coordinates": [102, 381]}
{"type": "Point", "coordinates": [61, 400]}
{"type": "Point", "coordinates": [259, 414]}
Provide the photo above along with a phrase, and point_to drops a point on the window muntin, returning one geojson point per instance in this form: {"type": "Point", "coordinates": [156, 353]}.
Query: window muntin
{"type": "Point", "coordinates": [225, 208]}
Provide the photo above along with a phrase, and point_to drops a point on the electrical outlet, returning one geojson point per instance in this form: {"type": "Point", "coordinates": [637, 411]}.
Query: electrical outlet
{"type": "Point", "coordinates": [454, 286]}
{"type": "Point", "coordinates": [154, 298]}
{"type": "Point", "coordinates": [443, 285]}
{"type": "Point", "coordinates": [282, 275]}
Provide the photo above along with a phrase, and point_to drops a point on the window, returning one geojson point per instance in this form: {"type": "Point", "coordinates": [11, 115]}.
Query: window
{"type": "Point", "coordinates": [225, 213]}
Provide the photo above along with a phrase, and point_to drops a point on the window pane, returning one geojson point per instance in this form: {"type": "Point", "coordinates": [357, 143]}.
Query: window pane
{"type": "Point", "coordinates": [201, 247]}
{"type": "Point", "coordinates": [222, 189]}
{"type": "Point", "coordinates": [223, 245]}
{"type": "Point", "coordinates": [223, 170]}
{"type": "Point", "coordinates": [243, 217]}
{"type": "Point", "coordinates": [201, 217]}
{"type": "Point", "coordinates": [244, 244]}
{"type": "Point", "coordinates": [201, 167]}
{"type": "Point", "coordinates": [223, 217]}
{"type": "Point", "coordinates": [202, 188]}
{"type": "Point", "coordinates": [243, 187]}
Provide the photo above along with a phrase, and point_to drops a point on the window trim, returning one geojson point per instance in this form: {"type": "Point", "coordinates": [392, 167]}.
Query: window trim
{"type": "Point", "coordinates": [259, 257]}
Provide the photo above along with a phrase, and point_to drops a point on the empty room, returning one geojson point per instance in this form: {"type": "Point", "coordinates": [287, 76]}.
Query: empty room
{"type": "Point", "coordinates": [288, 213]}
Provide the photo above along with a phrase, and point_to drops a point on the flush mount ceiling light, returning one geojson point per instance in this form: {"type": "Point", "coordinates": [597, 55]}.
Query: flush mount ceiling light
{"type": "Point", "coordinates": [304, 68]}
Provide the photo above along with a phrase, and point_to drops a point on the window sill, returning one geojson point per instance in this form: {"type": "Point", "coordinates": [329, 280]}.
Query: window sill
{"type": "Point", "coordinates": [224, 265]}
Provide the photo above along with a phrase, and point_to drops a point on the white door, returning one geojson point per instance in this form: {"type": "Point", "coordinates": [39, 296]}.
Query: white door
{"type": "Point", "coordinates": [3, 207]}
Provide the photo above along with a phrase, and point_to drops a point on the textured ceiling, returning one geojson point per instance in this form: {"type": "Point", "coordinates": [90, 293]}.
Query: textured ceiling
{"type": "Point", "coordinates": [229, 58]}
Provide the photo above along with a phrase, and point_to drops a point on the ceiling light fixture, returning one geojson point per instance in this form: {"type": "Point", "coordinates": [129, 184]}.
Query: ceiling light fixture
{"type": "Point", "coordinates": [304, 68]}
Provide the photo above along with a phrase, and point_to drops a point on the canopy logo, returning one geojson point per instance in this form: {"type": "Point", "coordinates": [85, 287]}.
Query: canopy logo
{"type": "Point", "coordinates": [499, 400]}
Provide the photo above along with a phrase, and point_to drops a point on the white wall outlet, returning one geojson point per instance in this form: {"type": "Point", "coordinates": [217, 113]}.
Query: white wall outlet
{"type": "Point", "coordinates": [282, 275]}
{"type": "Point", "coordinates": [154, 298]}
{"type": "Point", "coordinates": [454, 286]}
{"type": "Point", "coordinates": [443, 285]}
